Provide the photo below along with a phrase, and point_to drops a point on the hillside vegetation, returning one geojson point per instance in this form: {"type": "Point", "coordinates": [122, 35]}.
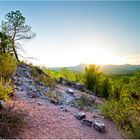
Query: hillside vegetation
{"type": "Point", "coordinates": [120, 92]}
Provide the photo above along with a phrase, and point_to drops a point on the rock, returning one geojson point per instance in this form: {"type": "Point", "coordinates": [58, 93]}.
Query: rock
{"type": "Point", "coordinates": [93, 98]}
{"type": "Point", "coordinates": [70, 91]}
{"type": "Point", "coordinates": [31, 101]}
{"type": "Point", "coordinates": [87, 122]}
{"type": "Point", "coordinates": [99, 126]}
{"type": "Point", "coordinates": [2, 104]}
{"type": "Point", "coordinates": [71, 84]}
{"type": "Point", "coordinates": [18, 88]}
{"type": "Point", "coordinates": [63, 108]}
{"type": "Point", "coordinates": [32, 88]}
{"type": "Point", "coordinates": [88, 91]}
{"type": "Point", "coordinates": [96, 115]}
{"type": "Point", "coordinates": [52, 100]}
{"type": "Point", "coordinates": [39, 103]}
{"type": "Point", "coordinates": [34, 95]}
{"type": "Point", "coordinates": [80, 87]}
{"type": "Point", "coordinates": [63, 81]}
{"type": "Point", "coordinates": [80, 115]}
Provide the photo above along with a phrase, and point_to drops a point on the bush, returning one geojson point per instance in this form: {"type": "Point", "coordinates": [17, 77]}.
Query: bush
{"type": "Point", "coordinates": [12, 122]}
{"type": "Point", "coordinates": [5, 89]}
{"type": "Point", "coordinates": [85, 101]}
{"type": "Point", "coordinates": [124, 115]}
{"type": "Point", "coordinates": [47, 81]}
{"type": "Point", "coordinates": [8, 65]}
{"type": "Point", "coordinates": [53, 95]}
{"type": "Point", "coordinates": [34, 72]}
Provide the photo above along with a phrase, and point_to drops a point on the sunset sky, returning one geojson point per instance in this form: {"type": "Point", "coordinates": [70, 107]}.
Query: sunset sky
{"type": "Point", "coordinates": [70, 33]}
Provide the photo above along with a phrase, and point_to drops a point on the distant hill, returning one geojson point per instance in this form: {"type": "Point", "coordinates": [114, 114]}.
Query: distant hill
{"type": "Point", "coordinates": [118, 69]}
{"type": "Point", "coordinates": [107, 69]}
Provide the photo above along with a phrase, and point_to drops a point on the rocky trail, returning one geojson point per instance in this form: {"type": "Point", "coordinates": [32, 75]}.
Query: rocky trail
{"type": "Point", "coordinates": [47, 118]}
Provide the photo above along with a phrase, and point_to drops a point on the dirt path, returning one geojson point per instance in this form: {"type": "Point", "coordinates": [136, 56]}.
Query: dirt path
{"type": "Point", "coordinates": [47, 121]}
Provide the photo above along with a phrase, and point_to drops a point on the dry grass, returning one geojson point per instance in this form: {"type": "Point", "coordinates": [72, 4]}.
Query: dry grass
{"type": "Point", "coordinates": [12, 122]}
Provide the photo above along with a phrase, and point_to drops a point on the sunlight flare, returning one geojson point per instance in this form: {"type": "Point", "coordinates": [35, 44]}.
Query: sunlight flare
{"type": "Point", "coordinates": [100, 57]}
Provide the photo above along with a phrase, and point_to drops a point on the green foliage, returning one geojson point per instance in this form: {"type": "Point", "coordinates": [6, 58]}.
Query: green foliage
{"type": "Point", "coordinates": [68, 74]}
{"type": "Point", "coordinates": [8, 65]}
{"type": "Point", "coordinates": [65, 73]}
{"type": "Point", "coordinates": [85, 101]}
{"type": "Point", "coordinates": [91, 76]}
{"type": "Point", "coordinates": [97, 82]}
{"type": "Point", "coordinates": [5, 89]}
{"type": "Point", "coordinates": [122, 92]}
{"type": "Point", "coordinates": [124, 108]}
{"type": "Point", "coordinates": [15, 27]}
{"type": "Point", "coordinates": [34, 72]}
{"type": "Point", "coordinates": [47, 81]}
{"type": "Point", "coordinates": [5, 43]}
{"type": "Point", "coordinates": [12, 122]}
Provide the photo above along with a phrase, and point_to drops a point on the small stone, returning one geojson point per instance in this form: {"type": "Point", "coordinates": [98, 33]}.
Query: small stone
{"type": "Point", "coordinates": [1, 104]}
{"type": "Point", "coordinates": [39, 103]}
{"type": "Point", "coordinates": [80, 115]}
{"type": "Point", "coordinates": [34, 95]}
{"type": "Point", "coordinates": [63, 118]}
{"type": "Point", "coordinates": [63, 108]}
{"type": "Point", "coordinates": [31, 101]}
{"type": "Point", "coordinates": [70, 91]}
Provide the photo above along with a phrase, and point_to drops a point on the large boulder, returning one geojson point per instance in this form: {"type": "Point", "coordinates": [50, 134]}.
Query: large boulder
{"type": "Point", "coordinates": [99, 126]}
{"type": "Point", "coordinates": [80, 115]}
{"type": "Point", "coordinates": [53, 101]}
{"type": "Point", "coordinates": [87, 122]}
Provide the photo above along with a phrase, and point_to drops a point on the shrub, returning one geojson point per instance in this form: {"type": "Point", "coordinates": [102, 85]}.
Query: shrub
{"type": "Point", "coordinates": [34, 72]}
{"type": "Point", "coordinates": [8, 65]}
{"type": "Point", "coordinates": [125, 114]}
{"type": "Point", "coordinates": [54, 95]}
{"type": "Point", "coordinates": [47, 81]}
{"type": "Point", "coordinates": [85, 101]}
{"type": "Point", "coordinates": [12, 122]}
{"type": "Point", "coordinates": [5, 89]}
{"type": "Point", "coordinates": [91, 76]}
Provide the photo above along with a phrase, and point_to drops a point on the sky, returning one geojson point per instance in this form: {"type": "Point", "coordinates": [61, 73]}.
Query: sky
{"type": "Point", "coordinates": [72, 32]}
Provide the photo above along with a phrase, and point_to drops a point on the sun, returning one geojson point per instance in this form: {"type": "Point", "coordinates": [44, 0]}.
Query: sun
{"type": "Point", "coordinates": [102, 57]}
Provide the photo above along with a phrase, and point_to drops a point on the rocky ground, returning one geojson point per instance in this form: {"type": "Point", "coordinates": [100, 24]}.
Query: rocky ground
{"type": "Point", "coordinates": [46, 121]}
{"type": "Point", "coordinates": [49, 117]}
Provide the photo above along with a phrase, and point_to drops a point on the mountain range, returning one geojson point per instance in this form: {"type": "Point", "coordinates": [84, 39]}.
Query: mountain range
{"type": "Point", "coordinates": [107, 69]}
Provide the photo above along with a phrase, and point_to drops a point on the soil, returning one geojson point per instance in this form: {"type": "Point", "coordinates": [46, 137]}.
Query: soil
{"type": "Point", "coordinates": [47, 121]}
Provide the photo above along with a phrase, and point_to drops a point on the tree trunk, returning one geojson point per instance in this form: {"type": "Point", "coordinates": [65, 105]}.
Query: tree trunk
{"type": "Point", "coordinates": [14, 50]}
